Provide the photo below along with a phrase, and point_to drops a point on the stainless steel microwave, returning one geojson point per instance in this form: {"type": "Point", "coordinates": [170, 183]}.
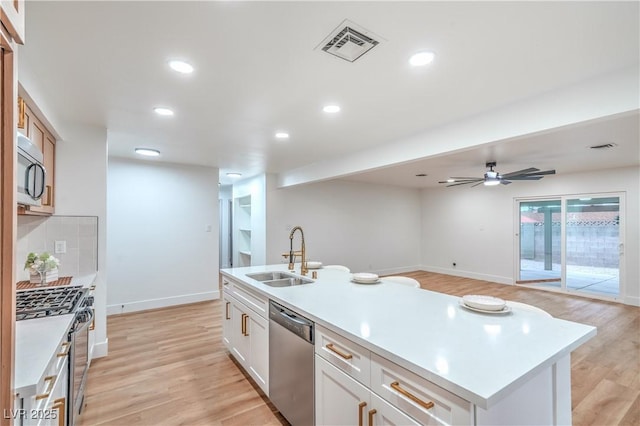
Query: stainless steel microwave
{"type": "Point", "coordinates": [31, 172]}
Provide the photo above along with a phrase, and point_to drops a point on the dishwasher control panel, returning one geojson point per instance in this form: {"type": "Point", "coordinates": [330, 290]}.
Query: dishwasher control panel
{"type": "Point", "coordinates": [292, 321]}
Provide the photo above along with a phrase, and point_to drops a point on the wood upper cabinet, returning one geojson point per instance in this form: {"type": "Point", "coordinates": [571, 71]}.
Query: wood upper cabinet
{"type": "Point", "coordinates": [41, 137]}
{"type": "Point", "coordinates": [12, 16]}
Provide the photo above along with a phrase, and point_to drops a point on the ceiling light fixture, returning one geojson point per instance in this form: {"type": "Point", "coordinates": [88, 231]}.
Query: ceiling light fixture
{"type": "Point", "coordinates": [491, 178]}
{"type": "Point", "coordinates": [421, 59]}
{"type": "Point", "coordinates": [234, 175]}
{"type": "Point", "coordinates": [163, 111]}
{"type": "Point", "coordinates": [181, 67]}
{"type": "Point", "coordinates": [148, 152]}
{"type": "Point", "coordinates": [331, 109]}
{"type": "Point", "coordinates": [282, 135]}
{"type": "Point", "coordinates": [450, 180]}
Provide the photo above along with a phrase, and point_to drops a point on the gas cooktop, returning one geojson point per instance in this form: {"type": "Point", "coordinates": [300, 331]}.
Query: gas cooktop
{"type": "Point", "coordinates": [44, 302]}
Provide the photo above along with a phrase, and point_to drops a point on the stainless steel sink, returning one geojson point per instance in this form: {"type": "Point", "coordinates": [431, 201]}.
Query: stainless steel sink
{"type": "Point", "coordinates": [279, 279]}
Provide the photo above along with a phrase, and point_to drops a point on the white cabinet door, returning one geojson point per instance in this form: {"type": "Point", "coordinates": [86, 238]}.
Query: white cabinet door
{"type": "Point", "coordinates": [386, 414]}
{"type": "Point", "coordinates": [340, 400]}
{"type": "Point", "coordinates": [246, 335]}
{"type": "Point", "coordinates": [227, 321]}
{"type": "Point", "coordinates": [239, 338]}
{"type": "Point", "coordinates": [258, 330]}
{"type": "Point", "coordinates": [56, 408]}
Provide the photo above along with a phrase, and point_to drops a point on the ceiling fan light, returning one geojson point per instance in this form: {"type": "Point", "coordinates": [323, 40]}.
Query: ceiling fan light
{"type": "Point", "coordinates": [492, 182]}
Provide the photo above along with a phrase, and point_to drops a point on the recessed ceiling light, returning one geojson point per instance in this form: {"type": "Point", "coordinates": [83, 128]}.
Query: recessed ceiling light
{"type": "Point", "coordinates": [282, 135]}
{"type": "Point", "coordinates": [147, 152]}
{"type": "Point", "coordinates": [421, 58]}
{"type": "Point", "coordinates": [421, 175]}
{"type": "Point", "coordinates": [234, 175]}
{"type": "Point", "coordinates": [331, 109]}
{"type": "Point", "coordinates": [163, 111]}
{"type": "Point", "coordinates": [181, 67]}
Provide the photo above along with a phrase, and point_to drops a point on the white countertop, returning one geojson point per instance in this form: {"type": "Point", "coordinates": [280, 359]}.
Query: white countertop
{"type": "Point", "coordinates": [479, 357]}
{"type": "Point", "coordinates": [37, 341]}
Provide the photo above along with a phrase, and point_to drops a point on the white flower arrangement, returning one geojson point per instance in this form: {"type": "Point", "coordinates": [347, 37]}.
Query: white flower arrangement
{"type": "Point", "coordinates": [41, 262]}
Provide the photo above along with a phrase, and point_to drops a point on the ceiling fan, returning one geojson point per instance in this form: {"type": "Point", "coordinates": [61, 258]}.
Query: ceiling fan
{"type": "Point", "coordinates": [491, 177]}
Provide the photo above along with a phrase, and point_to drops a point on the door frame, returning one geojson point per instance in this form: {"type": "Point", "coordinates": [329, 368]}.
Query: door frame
{"type": "Point", "coordinates": [563, 270]}
{"type": "Point", "coordinates": [8, 220]}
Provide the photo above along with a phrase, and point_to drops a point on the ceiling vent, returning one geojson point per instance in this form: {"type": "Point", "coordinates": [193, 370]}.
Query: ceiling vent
{"type": "Point", "coordinates": [603, 146]}
{"type": "Point", "coordinates": [349, 41]}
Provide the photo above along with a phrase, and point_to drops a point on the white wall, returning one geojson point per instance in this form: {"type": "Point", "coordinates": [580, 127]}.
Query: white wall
{"type": "Point", "coordinates": [81, 190]}
{"type": "Point", "coordinates": [363, 226]}
{"type": "Point", "coordinates": [474, 227]}
{"type": "Point", "coordinates": [162, 234]}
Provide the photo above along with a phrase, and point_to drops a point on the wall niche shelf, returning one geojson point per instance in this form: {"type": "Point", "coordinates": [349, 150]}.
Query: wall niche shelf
{"type": "Point", "coordinates": [243, 228]}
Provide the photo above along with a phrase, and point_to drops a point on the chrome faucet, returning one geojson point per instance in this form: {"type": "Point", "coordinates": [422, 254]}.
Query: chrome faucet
{"type": "Point", "coordinates": [303, 267]}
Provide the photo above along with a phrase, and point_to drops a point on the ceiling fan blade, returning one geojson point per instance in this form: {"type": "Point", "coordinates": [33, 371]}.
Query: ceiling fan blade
{"type": "Point", "coordinates": [465, 178]}
{"type": "Point", "coordinates": [546, 172]}
{"type": "Point", "coordinates": [520, 172]}
{"type": "Point", "coordinates": [479, 183]}
{"type": "Point", "coordinates": [526, 177]}
{"type": "Point", "coordinates": [505, 182]}
{"type": "Point", "coordinates": [460, 180]}
{"type": "Point", "coordinates": [460, 183]}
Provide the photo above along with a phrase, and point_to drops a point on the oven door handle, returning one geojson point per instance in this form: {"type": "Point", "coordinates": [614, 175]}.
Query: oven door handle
{"type": "Point", "coordinates": [85, 324]}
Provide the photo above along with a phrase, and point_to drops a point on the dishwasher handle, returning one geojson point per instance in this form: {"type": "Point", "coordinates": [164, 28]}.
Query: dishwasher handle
{"type": "Point", "coordinates": [292, 321]}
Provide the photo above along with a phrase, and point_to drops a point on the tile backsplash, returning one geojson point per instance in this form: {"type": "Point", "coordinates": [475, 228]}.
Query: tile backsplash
{"type": "Point", "coordinates": [39, 234]}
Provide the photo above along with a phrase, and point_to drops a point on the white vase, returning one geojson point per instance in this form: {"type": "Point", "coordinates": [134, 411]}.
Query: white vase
{"type": "Point", "coordinates": [47, 277]}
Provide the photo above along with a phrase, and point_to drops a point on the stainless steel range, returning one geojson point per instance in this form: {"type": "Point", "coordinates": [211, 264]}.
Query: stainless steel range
{"type": "Point", "coordinates": [50, 301]}
{"type": "Point", "coordinates": [43, 302]}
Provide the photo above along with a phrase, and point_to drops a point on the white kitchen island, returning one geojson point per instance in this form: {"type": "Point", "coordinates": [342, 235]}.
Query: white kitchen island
{"type": "Point", "coordinates": [499, 369]}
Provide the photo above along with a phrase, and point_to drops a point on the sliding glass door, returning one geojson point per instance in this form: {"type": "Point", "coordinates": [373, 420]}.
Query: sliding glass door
{"type": "Point", "coordinates": [593, 245]}
{"type": "Point", "coordinates": [572, 244]}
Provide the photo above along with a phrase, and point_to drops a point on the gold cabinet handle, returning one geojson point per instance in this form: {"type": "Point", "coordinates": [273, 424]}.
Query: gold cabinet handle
{"type": "Point", "coordinates": [93, 287]}
{"type": "Point", "coordinates": [51, 380]}
{"type": "Point", "coordinates": [60, 404]}
{"type": "Point", "coordinates": [227, 316]}
{"type": "Point", "coordinates": [244, 323]}
{"type": "Point", "coordinates": [361, 412]}
{"type": "Point", "coordinates": [66, 347]}
{"type": "Point", "coordinates": [93, 321]}
{"type": "Point", "coordinates": [340, 353]}
{"type": "Point", "coordinates": [371, 414]}
{"type": "Point", "coordinates": [21, 111]}
{"type": "Point", "coordinates": [412, 397]}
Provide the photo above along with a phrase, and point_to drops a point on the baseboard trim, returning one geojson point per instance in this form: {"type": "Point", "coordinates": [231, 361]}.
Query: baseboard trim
{"type": "Point", "coordinates": [632, 300]}
{"type": "Point", "coordinates": [143, 305]}
{"type": "Point", "coordinates": [468, 274]}
{"type": "Point", "coordinates": [100, 349]}
{"type": "Point", "coordinates": [400, 270]}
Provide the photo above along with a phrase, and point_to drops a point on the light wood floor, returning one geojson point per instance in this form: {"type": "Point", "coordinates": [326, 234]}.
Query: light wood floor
{"type": "Point", "coordinates": [169, 366]}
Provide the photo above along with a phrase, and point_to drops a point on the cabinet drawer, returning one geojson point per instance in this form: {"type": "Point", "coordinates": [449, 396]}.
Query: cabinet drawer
{"type": "Point", "coordinates": [416, 396]}
{"type": "Point", "coordinates": [55, 369]}
{"type": "Point", "coordinates": [252, 299]}
{"type": "Point", "coordinates": [348, 356]}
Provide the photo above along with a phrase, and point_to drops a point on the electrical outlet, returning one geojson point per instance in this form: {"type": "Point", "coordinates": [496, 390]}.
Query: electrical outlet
{"type": "Point", "coordinates": [60, 247]}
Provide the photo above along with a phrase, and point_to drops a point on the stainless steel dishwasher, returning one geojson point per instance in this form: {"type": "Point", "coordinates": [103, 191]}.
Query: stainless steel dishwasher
{"type": "Point", "coordinates": [291, 364]}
